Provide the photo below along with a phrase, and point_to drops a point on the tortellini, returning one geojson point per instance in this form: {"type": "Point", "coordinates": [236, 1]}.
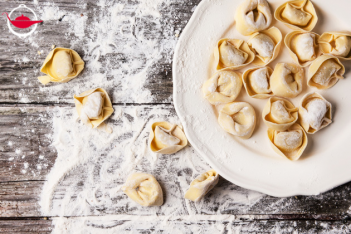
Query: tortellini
{"type": "Point", "coordinates": [303, 46]}
{"type": "Point", "coordinates": [253, 16]}
{"type": "Point", "coordinates": [238, 119]}
{"type": "Point", "coordinates": [266, 44]}
{"type": "Point", "coordinates": [61, 65]}
{"type": "Point", "coordinates": [279, 114]}
{"type": "Point", "coordinates": [256, 82]}
{"type": "Point", "coordinates": [286, 80]}
{"type": "Point", "coordinates": [144, 189]}
{"type": "Point", "coordinates": [297, 14]}
{"type": "Point", "coordinates": [233, 54]}
{"type": "Point", "coordinates": [93, 106]}
{"type": "Point", "coordinates": [315, 112]}
{"type": "Point", "coordinates": [202, 185]}
{"type": "Point", "coordinates": [337, 44]}
{"type": "Point", "coordinates": [325, 72]}
{"type": "Point", "coordinates": [166, 138]}
{"type": "Point", "coordinates": [290, 143]}
{"type": "Point", "coordinates": [222, 87]}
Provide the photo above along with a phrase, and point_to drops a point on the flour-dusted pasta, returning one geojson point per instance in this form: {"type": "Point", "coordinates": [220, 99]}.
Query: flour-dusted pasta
{"type": "Point", "coordinates": [256, 82]}
{"type": "Point", "coordinates": [279, 114]}
{"type": "Point", "coordinates": [61, 65]}
{"type": "Point", "coordinates": [202, 185]}
{"type": "Point", "coordinates": [253, 16]}
{"type": "Point", "coordinates": [233, 54]}
{"type": "Point", "coordinates": [266, 44]}
{"type": "Point", "coordinates": [238, 119]}
{"type": "Point", "coordinates": [315, 112]}
{"type": "Point", "coordinates": [223, 87]}
{"type": "Point", "coordinates": [337, 44]}
{"type": "Point", "coordinates": [297, 14]}
{"type": "Point", "coordinates": [144, 189]}
{"type": "Point", "coordinates": [290, 143]}
{"type": "Point", "coordinates": [303, 46]}
{"type": "Point", "coordinates": [166, 138]}
{"type": "Point", "coordinates": [286, 80]}
{"type": "Point", "coordinates": [93, 106]}
{"type": "Point", "coordinates": [325, 72]}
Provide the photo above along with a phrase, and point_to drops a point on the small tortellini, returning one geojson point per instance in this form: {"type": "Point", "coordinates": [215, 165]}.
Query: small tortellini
{"type": "Point", "coordinates": [93, 106]}
{"type": "Point", "coordinates": [266, 44]}
{"type": "Point", "coordinates": [325, 72]}
{"type": "Point", "coordinates": [315, 112]}
{"type": "Point", "coordinates": [253, 16]}
{"type": "Point", "coordinates": [256, 82]}
{"type": "Point", "coordinates": [233, 54]}
{"type": "Point", "coordinates": [61, 65]}
{"type": "Point", "coordinates": [238, 119]}
{"type": "Point", "coordinates": [279, 114]}
{"type": "Point", "coordinates": [202, 185]}
{"type": "Point", "coordinates": [303, 46]}
{"type": "Point", "coordinates": [166, 138]}
{"type": "Point", "coordinates": [337, 44]}
{"type": "Point", "coordinates": [223, 87]}
{"type": "Point", "coordinates": [286, 80]}
{"type": "Point", "coordinates": [144, 189]}
{"type": "Point", "coordinates": [297, 14]}
{"type": "Point", "coordinates": [290, 143]}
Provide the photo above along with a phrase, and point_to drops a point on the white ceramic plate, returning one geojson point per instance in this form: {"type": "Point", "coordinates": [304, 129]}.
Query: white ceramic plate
{"type": "Point", "coordinates": [252, 163]}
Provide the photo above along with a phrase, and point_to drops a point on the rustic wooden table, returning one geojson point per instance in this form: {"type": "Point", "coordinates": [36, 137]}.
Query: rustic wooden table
{"type": "Point", "coordinates": [25, 123]}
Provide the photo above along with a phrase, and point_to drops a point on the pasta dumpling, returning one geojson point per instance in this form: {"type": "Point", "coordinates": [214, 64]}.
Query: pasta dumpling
{"type": "Point", "coordinates": [222, 87]}
{"type": "Point", "coordinates": [238, 119]}
{"type": "Point", "coordinates": [279, 114]}
{"type": "Point", "coordinates": [232, 54]}
{"type": "Point", "coordinates": [297, 14]}
{"type": "Point", "coordinates": [202, 185]}
{"type": "Point", "coordinates": [144, 189]}
{"type": "Point", "coordinates": [303, 47]}
{"type": "Point", "coordinates": [256, 82]}
{"type": "Point", "coordinates": [166, 138]}
{"type": "Point", "coordinates": [61, 65]}
{"type": "Point", "coordinates": [337, 44]}
{"type": "Point", "coordinates": [93, 106]}
{"type": "Point", "coordinates": [315, 112]}
{"type": "Point", "coordinates": [286, 80]}
{"type": "Point", "coordinates": [290, 143]}
{"type": "Point", "coordinates": [266, 44]}
{"type": "Point", "coordinates": [253, 16]}
{"type": "Point", "coordinates": [325, 72]}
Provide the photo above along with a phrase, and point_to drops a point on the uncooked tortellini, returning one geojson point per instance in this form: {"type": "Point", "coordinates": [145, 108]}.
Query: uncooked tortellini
{"type": "Point", "coordinates": [286, 80]}
{"type": "Point", "coordinates": [297, 14]}
{"type": "Point", "coordinates": [325, 72]}
{"type": "Point", "coordinates": [233, 54]}
{"type": "Point", "coordinates": [202, 185]}
{"type": "Point", "coordinates": [238, 119]}
{"type": "Point", "coordinates": [337, 44]}
{"type": "Point", "coordinates": [279, 114]}
{"type": "Point", "coordinates": [93, 106]}
{"type": "Point", "coordinates": [266, 44]}
{"type": "Point", "coordinates": [166, 138]}
{"type": "Point", "coordinates": [315, 112]}
{"type": "Point", "coordinates": [61, 65]}
{"type": "Point", "coordinates": [222, 87]}
{"type": "Point", "coordinates": [256, 82]}
{"type": "Point", "coordinates": [144, 189]}
{"type": "Point", "coordinates": [290, 143]}
{"type": "Point", "coordinates": [303, 46]}
{"type": "Point", "coordinates": [253, 16]}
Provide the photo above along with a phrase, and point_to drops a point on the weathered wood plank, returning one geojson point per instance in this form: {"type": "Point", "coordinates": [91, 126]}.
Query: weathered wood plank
{"type": "Point", "coordinates": [19, 195]}
{"type": "Point", "coordinates": [20, 62]}
{"type": "Point", "coordinates": [25, 226]}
